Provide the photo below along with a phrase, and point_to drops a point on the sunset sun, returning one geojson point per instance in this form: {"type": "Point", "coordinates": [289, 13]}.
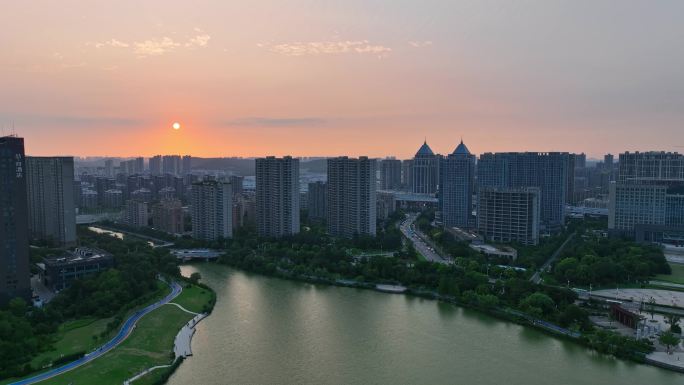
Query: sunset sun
{"type": "Point", "coordinates": [176, 126]}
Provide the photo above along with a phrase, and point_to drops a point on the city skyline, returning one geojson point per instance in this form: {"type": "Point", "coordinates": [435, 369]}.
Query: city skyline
{"type": "Point", "coordinates": [359, 79]}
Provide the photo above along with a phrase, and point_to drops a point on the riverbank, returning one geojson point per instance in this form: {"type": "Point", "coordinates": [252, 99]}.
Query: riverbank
{"type": "Point", "coordinates": [150, 342]}
{"type": "Point", "coordinates": [601, 341]}
{"type": "Point", "coordinates": [274, 331]}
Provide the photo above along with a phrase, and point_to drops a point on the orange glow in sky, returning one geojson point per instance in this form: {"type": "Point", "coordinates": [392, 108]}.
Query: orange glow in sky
{"type": "Point", "coordinates": [340, 78]}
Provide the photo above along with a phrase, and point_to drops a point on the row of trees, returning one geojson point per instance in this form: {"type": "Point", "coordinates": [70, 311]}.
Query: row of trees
{"type": "Point", "coordinates": [317, 256]}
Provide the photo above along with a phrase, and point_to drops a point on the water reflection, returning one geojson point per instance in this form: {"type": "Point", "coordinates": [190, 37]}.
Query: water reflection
{"type": "Point", "coordinates": [98, 230]}
{"type": "Point", "coordinates": [272, 331]}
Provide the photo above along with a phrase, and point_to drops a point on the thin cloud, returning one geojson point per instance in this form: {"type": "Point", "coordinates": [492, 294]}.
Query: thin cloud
{"type": "Point", "coordinates": [112, 43]}
{"type": "Point", "coordinates": [155, 47]}
{"type": "Point", "coordinates": [327, 48]}
{"type": "Point", "coordinates": [199, 41]}
{"type": "Point", "coordinates": [72, 120]}
{"type": "Point", "coordinates": [419, 44]}
{"type": "Point", "coordinates": [275, 122]}
{"type": "Point", "coordinates": [158, 45]}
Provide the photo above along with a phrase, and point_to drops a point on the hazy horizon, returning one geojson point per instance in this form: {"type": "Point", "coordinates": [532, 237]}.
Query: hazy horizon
{"type": "Point", "coordinates": [342, 78]}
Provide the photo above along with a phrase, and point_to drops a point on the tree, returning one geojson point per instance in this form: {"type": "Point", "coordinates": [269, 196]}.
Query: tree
{"type": "Point", "coordinates": [673, 321]}
{"type": "Point", "coordinates": [195, 278]}
{"type": "Point", "coordinates": [668, 339]}
{"type": "Point", "coordinates": [538, 304]}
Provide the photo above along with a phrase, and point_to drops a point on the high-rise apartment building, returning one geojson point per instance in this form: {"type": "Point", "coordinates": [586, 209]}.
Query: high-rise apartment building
{"type": "Point", "coordinates": [509, 214]}
{"type": "Point", "coordinates": [186, 165]}
{"type": "Point", "coordinates": [14, 233]}
{"type": "Point", "coordinates": [608, 161]}
{"type": "Point", "coordinates": [171, 164]}
{"type": "Point", "coordinates": [212, 210]}
{"type": "Point", "coordinates": [546, 171]}
{"type": "Point", "coordinates": [139, 165]}
{"type": "Point", "coordinates": [390, 174]}
{"type": "Point", "coordinates": [136, 213]}
{"type": "Point", "coordinates": [658, 166]}
{"type": "Point", "coordinates": [457, 185]}
{"type": "Point", "coordinates": [632, 204]}
{"type": "Point", "coordinates": [580, 160]}
{"type": "Point", "coordinates": [647, 200]}
{"type": "Point", "coordinates": [132, 166]}
{"type": "Point", "coordinates": [244, 209]}
{"type": "Point", "coordinates": [167, 215]}
{"type": "Point", "coordinates": [156, 165]}
{"type": "Point", "coordinates": [113, 199]}
{"type": "Point", "coordinates": [237, 182]}
{"type": "Point", "coordinates": [386, 204]}
{"type": "Point", "coordinates": [316, 200]}
{"type": "Point", "coordinates": [51, 206]}
{"type": "Point", "coordinates": [109, 168]}
{"type": "Point", "coordinates": [351, 200]}
{"type": "Point", "coordinates": [407, 174]}
{"type": "Point", "coordinates": [425, 171]}
{"type": "Point", "coordinates": [277, 196]}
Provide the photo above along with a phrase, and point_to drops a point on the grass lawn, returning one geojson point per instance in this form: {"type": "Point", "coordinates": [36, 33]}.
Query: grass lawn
{"type": "Point", "coordinates": [195, 298]}
{"type": "Point", "coordinates": [677, 275]}
{"type": "Point", "coordinates": [150, 344]}
{"type": "Point", "coordinates": [73, 337]}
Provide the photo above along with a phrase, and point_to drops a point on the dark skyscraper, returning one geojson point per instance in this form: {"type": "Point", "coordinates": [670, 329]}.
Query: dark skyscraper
{"type": "Point", "coordinates": [316, 204]}
{"type": "Point", "coordinates": [425, 171]}
{"type": "Point", "coordinates": [277, 196]}
{"type": "Point", "coordinates": [390, 174]}
{"type": "Point", "coordinates": [52, 214]}
{"type": "Point", "coordinates": [156, 165]}
{"type": "Point", "coordinates": [14, 258]}
{"type": "Point", "coordinates": [457, 183]}
{"type": "Point", "coordinates": [546, 171]}
{"type": "Point", "coordinates": [351, 196]}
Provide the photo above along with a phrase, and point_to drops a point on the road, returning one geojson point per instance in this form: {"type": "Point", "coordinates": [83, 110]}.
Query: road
{"type": "Point", "coordinates": [123, 334]}
{"type": "Point", "coordinates": [536, 278]}
{"type": "Point", "coordinates": [414, 235]}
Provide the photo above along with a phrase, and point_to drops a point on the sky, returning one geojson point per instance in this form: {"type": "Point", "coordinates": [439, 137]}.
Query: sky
{"type": "Point", "coordinates": [347, 77]}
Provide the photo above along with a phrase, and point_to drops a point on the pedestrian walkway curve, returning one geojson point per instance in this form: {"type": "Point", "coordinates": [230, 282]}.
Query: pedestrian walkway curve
{"type": "Point", "coordinates": [182, 308]}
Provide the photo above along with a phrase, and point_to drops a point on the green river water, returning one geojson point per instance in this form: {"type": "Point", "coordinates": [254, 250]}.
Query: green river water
{"type": "Point", "coordinates": [272, 331]}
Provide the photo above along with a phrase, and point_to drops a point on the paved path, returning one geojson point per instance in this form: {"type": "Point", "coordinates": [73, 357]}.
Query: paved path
{"type": "Point", "coordinates": [661, 297]}
{"type": "Point", "coordinates": [182, 308]}
{"type": "Point", "coordinates": [123, 334]}
{"type": "Point", "coordinates": [418, 239]}
{"type": "Point", "coordinates": [674, 361]}
{"type": "Point", "coordinates": [182, 346]}
{"type": "Point", "coordinates": [536, 277]}
{"type": "Point", "coordinates": [144, 372]}
{"type": "Point", "coordinates": [667, 284]}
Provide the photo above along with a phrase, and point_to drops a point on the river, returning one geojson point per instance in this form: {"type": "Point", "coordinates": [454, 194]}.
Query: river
{"type": "Point", "coordinates": [272, 331]}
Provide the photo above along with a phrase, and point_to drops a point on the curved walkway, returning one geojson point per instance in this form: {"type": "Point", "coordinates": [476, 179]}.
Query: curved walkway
{"type": "Point", "coordinates": [182, 308]}
{"type": "Point", "coordinates": [182, 345]}
{"type": "Point", "coordinates": [146, 371]}
{"type": "Point", "coordinates": [123, 334]}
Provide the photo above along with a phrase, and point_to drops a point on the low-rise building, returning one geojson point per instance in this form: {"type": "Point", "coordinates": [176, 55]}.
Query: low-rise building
{"type": "Point", "coordinates": [59, 272]}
